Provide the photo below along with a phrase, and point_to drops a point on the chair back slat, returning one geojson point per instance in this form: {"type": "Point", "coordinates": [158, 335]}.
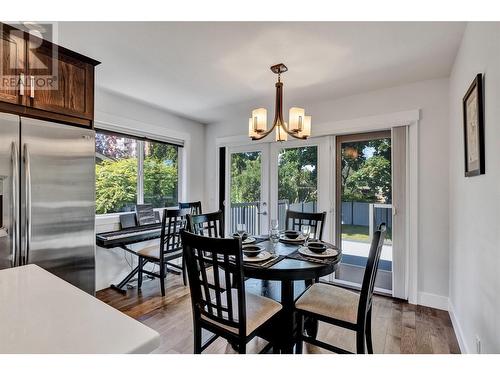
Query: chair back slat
{"type": "Point", "coordinates": [316, 220]}
{"type": "Point", "coordinates": [206, 296]}
{"type": "Point", "coordinates": [210, 224]}
{"type": "Point", "coordinates": [172, 223]}
{"type": "Point", "coordinates": [193, 207]}
{"type": "Point", "coordinates": [366, 295]}
{"type": "Point", "coordinates": [215, 300]}
{"type": "Point", "coordinates": [227, 279]}
{"type": "Point", "coordinates": [217, 284]}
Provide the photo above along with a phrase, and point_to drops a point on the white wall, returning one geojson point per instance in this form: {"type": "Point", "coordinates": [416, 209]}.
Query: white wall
{"type": "Point", "coordinates": [475, 201]}
{"type": "Point", "coordinates": [116, 110]}
{"type": "Point", "coordinates": [431, 97]}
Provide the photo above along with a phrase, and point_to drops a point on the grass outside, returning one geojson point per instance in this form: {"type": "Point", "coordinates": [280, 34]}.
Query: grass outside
{"type": "Point", "coordinates": [360, 233]}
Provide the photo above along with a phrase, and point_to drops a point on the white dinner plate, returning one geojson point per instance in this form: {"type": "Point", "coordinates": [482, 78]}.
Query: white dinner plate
{"type": "Point", "coordinates": [264, 255]}
{"type": "Point", "coordinates": [328, 253]}
{"type": "Point", "coordinates": [248, 240]}
{"type": "Point", "coordinates": [284, 238]}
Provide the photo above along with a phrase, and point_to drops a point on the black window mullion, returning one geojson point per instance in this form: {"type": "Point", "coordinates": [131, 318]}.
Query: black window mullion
{"type": "Point", "coordinates": [140, 172]}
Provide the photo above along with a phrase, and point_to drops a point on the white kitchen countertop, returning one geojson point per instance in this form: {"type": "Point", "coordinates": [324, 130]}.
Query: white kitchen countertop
{"type": "Point", "coordinates": [41, 313]}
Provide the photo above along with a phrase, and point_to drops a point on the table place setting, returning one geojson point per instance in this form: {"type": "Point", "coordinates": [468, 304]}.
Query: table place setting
{"type": "Point", "coordinates": [271, 261]}
{"type": "Point", "coordinates": [295, 237]}
{"type": "Point", "coordinates": [292, 237]}
{"type": "Point", "coordinates": [256, 256]}
{"type": "Point", "coordinates": [249, 239]}
{"type": "Point", "coordinates": [246, 238]}
{"type": "Point", "coordinates": [316, 252]}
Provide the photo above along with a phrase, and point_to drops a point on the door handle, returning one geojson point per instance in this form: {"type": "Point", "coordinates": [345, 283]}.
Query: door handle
{"type": "Point", "coordinates": [264, 213]}
{"type": "Point", "coordinates": [27, 173]}
{"type": "Point", "coordinates": [14, 213]}
{"type": "Point", "coordinates": [21, 84]}
{"type": "Point", "coordinates": [32, 87]}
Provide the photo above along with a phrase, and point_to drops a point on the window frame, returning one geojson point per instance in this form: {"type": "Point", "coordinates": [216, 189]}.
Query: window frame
{"type": "Point", "coordinates": [140, 168]}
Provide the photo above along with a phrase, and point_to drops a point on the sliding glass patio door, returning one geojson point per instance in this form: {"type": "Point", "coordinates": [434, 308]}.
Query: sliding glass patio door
{"type": "Point", "coordinates": [247, 188]}
{"type": "Point", "coordinates": [364, 196]}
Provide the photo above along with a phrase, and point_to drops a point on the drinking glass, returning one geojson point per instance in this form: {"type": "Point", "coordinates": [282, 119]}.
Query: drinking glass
{"type": "Point", "coordinates": [306, 232]}
{"type": "Point", "coordinates": [241, 229]}
{"type": "Point", "coordinates": [274, 224]}
{"type": "Point", "coordinates": [274, 236]}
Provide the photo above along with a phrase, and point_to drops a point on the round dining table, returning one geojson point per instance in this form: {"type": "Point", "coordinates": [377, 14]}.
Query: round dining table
{"type": "Point", "coordinates": [287, 271]}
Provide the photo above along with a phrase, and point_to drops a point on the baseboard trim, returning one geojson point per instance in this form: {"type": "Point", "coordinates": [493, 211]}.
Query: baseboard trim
{"type": "Point", "coordinates": [433, 300]}
{"type": "Point", "coordinates": [458, 329]}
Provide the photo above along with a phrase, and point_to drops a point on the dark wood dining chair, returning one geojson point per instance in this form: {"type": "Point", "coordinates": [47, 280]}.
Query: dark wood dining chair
{"type": "Point", "coordinates": [193, 207]}
{"type": "Point", "coordinates": [233, 314]}
{"type": "Point", "coordinates": [342, 307]}
{"type": "Point", "coordinates": [170, 248]}
{"type": "Point", "coordinates": [316, 220]}
{"type": "Point", "coordinates": [210, 224]}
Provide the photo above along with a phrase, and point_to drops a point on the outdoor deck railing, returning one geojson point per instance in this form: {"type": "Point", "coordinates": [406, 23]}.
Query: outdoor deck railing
{"type": "Point", "coordinates": [245, 213]}
{"type": "Point", "coordinates": [353, 213]}
{"type": "Point", "coordinates": [248, 213]}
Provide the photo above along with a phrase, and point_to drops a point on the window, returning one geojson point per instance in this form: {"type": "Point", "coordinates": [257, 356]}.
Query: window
{"type": "Point", "coordinates": [116, 173]}
{"type": "Point", "coordinates": [160, 174]}
{"type": "Point", "coordinates": [130, 170]}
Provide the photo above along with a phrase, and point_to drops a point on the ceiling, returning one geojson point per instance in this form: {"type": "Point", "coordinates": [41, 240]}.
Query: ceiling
{"type": "Point", "coordinates": [203, 70]}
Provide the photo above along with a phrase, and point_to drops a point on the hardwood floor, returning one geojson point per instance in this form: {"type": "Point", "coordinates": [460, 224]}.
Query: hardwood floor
{"type": "Point", "coordinates": [398, 327]}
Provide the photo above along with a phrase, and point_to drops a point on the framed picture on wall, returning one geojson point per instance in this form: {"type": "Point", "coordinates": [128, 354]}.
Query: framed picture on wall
{"type": "Point", "coordinates": [474, 128]}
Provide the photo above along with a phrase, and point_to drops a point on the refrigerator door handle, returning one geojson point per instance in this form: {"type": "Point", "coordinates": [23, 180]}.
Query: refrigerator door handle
{"type": "Point", "coordinates": [27, 173]}
{"type": "Point", "coordinates": [15, 212]}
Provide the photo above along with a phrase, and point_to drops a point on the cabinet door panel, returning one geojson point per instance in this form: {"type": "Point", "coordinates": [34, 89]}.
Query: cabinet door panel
{"type": "Point", "coordinates": [75, 80]}
{"type": "Point", "coordinates": [62, 84]}
{"type": "Point", "coordinates": [12, 60]}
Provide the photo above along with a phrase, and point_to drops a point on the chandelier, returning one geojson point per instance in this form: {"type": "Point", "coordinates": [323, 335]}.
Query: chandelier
{"type": "Point", "coordinates": [299, 125]}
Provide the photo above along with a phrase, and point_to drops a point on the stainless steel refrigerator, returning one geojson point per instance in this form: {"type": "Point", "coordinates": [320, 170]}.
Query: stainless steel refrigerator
{"type": "Point", "coordinates": [47, 188]}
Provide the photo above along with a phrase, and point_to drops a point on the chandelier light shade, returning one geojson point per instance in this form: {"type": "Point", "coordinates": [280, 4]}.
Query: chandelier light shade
{"type": "Point", "coordinates": [306, 129]}
{"type": "Point", "coordinates": [259, 118]}
{"type": "Point", "coordinates": [299, 125]}
{"type": "Point", "coordinates": [296, 119]}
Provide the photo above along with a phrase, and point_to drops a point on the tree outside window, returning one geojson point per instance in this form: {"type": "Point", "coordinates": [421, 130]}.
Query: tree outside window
{"type": "Point", "coordinates": [117, 173]}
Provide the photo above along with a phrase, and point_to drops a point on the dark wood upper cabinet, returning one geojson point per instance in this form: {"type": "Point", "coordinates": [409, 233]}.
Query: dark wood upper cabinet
{"type": "Point", "coordinates": [13, 65]}
{"type": "Point", "coordinates": [58, 83]}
